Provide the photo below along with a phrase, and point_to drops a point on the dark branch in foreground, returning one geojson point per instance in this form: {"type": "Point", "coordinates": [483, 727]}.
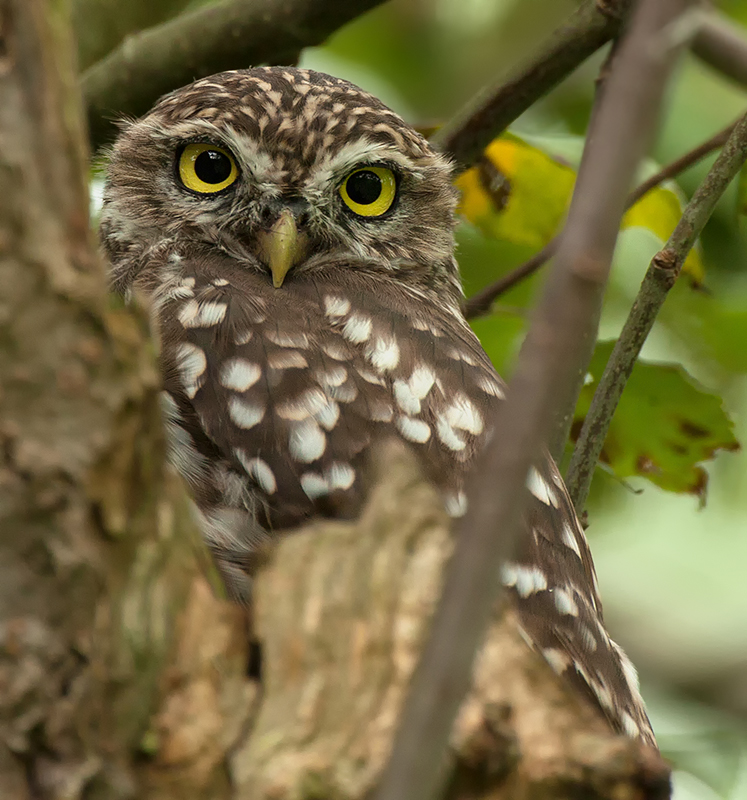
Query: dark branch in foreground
{"type": "Point", "coordinates": [481, 302]}
{"type": "Point", "coordinates": [722, 44]}
{"type": "Point", "coordinates": [490, 113]}
{"type": "Point", "coordinates": [554, 353]}
{"type": "Point", "coordinates": [660, 277]}
{"type": "Point", "coordinates": [228, 35]}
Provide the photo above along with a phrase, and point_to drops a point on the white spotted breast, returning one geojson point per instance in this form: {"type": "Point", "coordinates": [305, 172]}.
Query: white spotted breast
{"type": "Point", "coordinates": [305, 379]}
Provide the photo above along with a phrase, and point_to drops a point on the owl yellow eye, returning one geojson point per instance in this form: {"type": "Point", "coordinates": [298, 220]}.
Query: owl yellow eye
{"type": "Point", "coordinates": [369, 191]}
{"type": "Point", "coordinates": [207, 168]}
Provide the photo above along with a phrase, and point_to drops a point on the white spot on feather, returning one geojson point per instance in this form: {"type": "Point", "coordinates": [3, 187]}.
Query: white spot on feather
{"type": "Point", "coordinates": [335, 350]}
{"type": "Point", "coordinates": [449, 436]}
{"type": "Point", "coordinates": [245, 415]}
{"type": "Point", "coordinates": [539, 487]}
{"type": "Point", "coordinates": [456, 504]}
{"type": "Point", "coordinates": [288, 339]}
{"type": "Point", "coordinates": [287, 359]}
{"type": "Point", "coordinates": [357, 328]}
{"type": "Point", "coordinates": [314, 485]}
{"type": "Point", "coordinates": [259, 470]}
{"type": "Point", "coordinates": [526, 580]}
{"type": "Point", "coordinates": [336, 306]}
{"type": "Point", "coordinates": [238, 374]}
{"type": "Point", "coordinates": [194, 314]}
{"type": "Point", "coordinates": [405, 398]}
{"type": "Point", "coordinates": [421, 381]}
{"type": "Point", "coordinates": [462, 414]}
{"type": "Point", "coordinates": [564, 602]}
{"type": "Point", "coordinates": [630, 725]}
{"type": "Point", "coordinates": [491, 386]}
{"type": "Point", "coordinates": [604, 695]}
{"type": "Point", "coordinates": [369, 377]}
{"type": "Point", "coordinates": [557, 659]}
{"type": "Point", "coordinates": [328, 415]}
{"type": "Point", "coordinates": [339, 475]}
{"type": "Point", "coordinates": [415, 430]}
{"type": "Point", "coordinates": [629, 671]}
{"type": "Point", "coordinates": [191, 363]}
{"type": "Point", "coordinates": [384, 353]}
{"type": "Point", "coordinates": [335, 376]}
{"type": "Point", "coordinates": [305, 405]}
{"type": "Point", "coordinates": [569, 538]}
{"type": "Point", "coordinates": [307, 441]}
{"type": "Point", "coordinates": [380, 411]}
{"type": "Point", "coordinates": [345, 393]}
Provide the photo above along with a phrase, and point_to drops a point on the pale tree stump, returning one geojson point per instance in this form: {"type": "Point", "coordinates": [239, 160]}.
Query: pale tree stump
{"type": "Point", "coordinates": [341, 611]}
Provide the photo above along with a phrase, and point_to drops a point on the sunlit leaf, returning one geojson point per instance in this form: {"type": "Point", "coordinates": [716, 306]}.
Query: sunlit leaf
{"type": "Point", "coordinates": [521, 190]}
{"type": "Point", "coordinates": [665, 426]}
{"type": "Point", "coordinates": [659, 211]}
{"type": "Point", "coordinates": [538, 188]}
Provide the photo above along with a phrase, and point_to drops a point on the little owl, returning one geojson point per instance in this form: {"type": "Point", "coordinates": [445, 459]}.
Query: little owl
{"type": "Point", "coordinates": [295, 238]}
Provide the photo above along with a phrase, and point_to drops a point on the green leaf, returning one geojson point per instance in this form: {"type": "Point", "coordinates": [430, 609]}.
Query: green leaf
{"type": "Point", "coordinates": [665, 425]}
{"type": "Point", "coordinates": [537, 192]}
{"type": "Point", "coordinates": [521, 190]}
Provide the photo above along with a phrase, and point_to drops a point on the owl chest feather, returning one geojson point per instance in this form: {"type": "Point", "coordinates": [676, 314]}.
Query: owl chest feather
{"type": "Point", "coordinates": [293, 386]}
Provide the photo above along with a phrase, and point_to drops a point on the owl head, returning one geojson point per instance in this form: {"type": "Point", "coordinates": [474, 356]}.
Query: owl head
{"type": "Point", "coordinates": [286, 170]}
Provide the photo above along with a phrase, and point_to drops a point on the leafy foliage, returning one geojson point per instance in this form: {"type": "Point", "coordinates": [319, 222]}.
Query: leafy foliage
{"type": "Point", "coordinates": [665, 425]}
{"type": "Point", "coordinates": [521, 191]}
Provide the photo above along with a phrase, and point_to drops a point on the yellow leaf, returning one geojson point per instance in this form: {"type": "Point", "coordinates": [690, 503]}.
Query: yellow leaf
{"type": "Point", "coordinates": [520, 194]}
{"type": "Point", "coordinates": [539, 189]}
{"type": "Point", "coordinates": [659, 211]}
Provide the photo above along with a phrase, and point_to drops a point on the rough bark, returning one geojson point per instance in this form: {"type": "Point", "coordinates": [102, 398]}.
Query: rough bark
{"type": "Point", "coordinates": [97, 558]}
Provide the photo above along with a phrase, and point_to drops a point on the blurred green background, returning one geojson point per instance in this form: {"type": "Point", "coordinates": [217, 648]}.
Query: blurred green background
{"type": "Point", "coordinates": [673, 575]}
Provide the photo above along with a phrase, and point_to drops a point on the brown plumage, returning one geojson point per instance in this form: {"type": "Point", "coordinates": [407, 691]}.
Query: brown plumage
{"type": "Point", "coordinates": [295, 237]}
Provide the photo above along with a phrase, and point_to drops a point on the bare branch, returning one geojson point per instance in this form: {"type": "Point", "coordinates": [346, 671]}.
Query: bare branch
{"type": "Point", "coordinates": [491, 112]}
{"type": "Point", "coordinates": [659, 279]}
{"type": "Point", "coordinates": [722, 44]}
{"type": "Point", "coordinates": [100, 25]}
{"type": "Point", "coordinates": [554, 354]}
{"type": "Point", "coordinates": [227, 35]}
{"type": "Point", "coordinates": [481, 301]}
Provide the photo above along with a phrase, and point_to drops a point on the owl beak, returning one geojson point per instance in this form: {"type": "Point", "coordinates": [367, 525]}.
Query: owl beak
{"type": "Point", "coordinates": [282, 246]}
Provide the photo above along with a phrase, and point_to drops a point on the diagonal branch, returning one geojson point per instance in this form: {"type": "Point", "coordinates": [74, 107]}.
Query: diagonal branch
{"type": "Point", "coordinates": [227, 35]}
{"type": "Point", "coordinates": [491, 112]}
{"type": "Point", "coordinates": [659, 279]}
{"type": "Point", "coordinates": [481, 301]}
{"type": "Point", "coordinates": [722, 44]}
{"type": "Point", "coordinates": [554, 353]}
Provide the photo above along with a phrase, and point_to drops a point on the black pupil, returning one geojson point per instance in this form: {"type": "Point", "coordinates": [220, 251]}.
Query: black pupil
{"type": "Point", "coordinates": [212, 166]}
{"type": "Point", "coordinates": [364, 187]}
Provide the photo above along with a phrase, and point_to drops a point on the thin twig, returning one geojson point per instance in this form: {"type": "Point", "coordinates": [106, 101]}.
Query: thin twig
{"type": "Point", "coordinates": [226, 35]}
{"type": "Point", "coordinates": [682, 163]}
{"type": "Point", "coordinates": [722, 44]}
{"type": "Point", "coordinates": [481, 302]}
{"type": "Point", "coordinates": [553, 353]}
{"type": "Point", "coordinates": [492, 111]}
{"type": "Point", "coordinates": [659, 279]}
